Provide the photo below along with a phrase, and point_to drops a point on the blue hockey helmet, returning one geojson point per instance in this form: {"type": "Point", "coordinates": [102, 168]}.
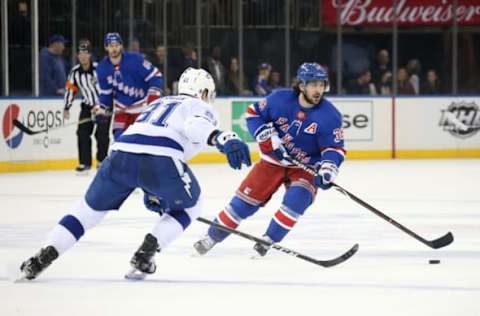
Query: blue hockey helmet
{"type": "Point", "coordinates": [311, 72]}
{"type": "Point", "coordinates": [112, 38]}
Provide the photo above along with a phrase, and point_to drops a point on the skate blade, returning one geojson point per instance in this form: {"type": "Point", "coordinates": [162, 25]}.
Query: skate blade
{"type": "Point", "coordinates": [135, 275]}
{"type": "Point", "coordinates": [257, 257]}
{"type": "Point", "coordinates": [21, 279]}
{"type": "Point", "coordinates": [14, 274]}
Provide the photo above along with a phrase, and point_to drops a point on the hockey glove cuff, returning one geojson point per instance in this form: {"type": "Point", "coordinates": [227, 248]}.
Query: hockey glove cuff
{"type": "Point", "coordinates": [327, 172]}
{"type": "Point", "coordinates": [271, 145]}
{"type": "Point", "coordinates": [233, 147]}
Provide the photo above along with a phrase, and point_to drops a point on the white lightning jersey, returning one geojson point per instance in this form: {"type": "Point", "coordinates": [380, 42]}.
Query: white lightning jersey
{"type": "Point", "coordinates": [174, 126]}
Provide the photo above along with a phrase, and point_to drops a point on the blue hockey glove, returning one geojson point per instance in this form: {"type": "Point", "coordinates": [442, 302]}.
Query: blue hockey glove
{"type": "Point", "coordinates": [270, 144]}
{"type": "Point", "coordinates": [154, 204]}
{"type": "Point", "coordinates": [327, 172]}
{"type": "Point", "coordinates": [234, 148]}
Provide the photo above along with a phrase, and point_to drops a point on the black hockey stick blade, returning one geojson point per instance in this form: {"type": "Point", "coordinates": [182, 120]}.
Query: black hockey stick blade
{"type": "Point", "coordinates": [25, 129]}
{"type": "Point", "coordinates": [435, 244]}
{"type": "Point", "coordinates": [338, 260]}
{"type": "Point", "coordinates": [443, 241]}
{"type": "Point", "coordinates": [323, 263]}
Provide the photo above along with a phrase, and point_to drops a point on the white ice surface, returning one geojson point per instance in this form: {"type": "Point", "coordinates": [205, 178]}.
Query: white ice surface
{"type": "Point", "coordinates": [390, 274]}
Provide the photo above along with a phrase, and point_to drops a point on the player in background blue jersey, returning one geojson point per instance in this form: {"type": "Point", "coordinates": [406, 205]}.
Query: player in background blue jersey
{"type": "Point", "coordinates": [151, 155]}
{"type": "Point", "coordinates": [127, 84]}
{"type": "Point", "coordinates": [299, 123]}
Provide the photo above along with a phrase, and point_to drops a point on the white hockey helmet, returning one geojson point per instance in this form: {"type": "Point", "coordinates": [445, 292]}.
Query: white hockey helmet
{"type": "Point", "coordinates": [194, 82]}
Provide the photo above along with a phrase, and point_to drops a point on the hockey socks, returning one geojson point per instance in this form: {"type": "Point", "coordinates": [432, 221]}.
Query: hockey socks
{"type": "Point", "coordinates": [173, 223]}
{"type": "Point", "coordinates": [281, 223]}
{"type": "Point", "coordinates": [231, 217]}
{"type": "Point", "coordinates": [73, 226]}
{"type": "Point", "coordinates": [224, 218]}
{"type": "Point", "coordinates": [295, 202]}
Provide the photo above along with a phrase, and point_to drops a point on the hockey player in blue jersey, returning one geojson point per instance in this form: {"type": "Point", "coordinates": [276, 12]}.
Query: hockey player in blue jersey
{"type": "Point", "coordinates": [152, 155]}
{"type": "Point", "coordinates": [127, 84]}
{"type": "Point", "coordinates": [299, 123]}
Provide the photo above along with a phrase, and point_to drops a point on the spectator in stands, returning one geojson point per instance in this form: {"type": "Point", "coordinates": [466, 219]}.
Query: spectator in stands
{"type": "Point", "coordinates": [160, 57]}
{"type": "Point", "coordinates": [232, 85]}
{"type": "Point", "coordinates": [189, 58]}
{"type": "Point", "coordinates": [135, 46]}
{"type": "Point", "coordinates": [216, 68]}
{"type": "Point", "coordinates": [274, 82]}
{"type": "Point", "coordinates": [19, 50]}
{"type": "Point", "coordinates": [403, 82]}
{"type": "Point", "coordinates": [413, 68]}
{"type": "Point", "coordinates": [381, 67]}
{"type": "Point", "coordinates": [53, 67]}
{"type": "Point", "coordinates": [386, 83]}
{"type": "Point", "coordinates": [431, 84]}
{"type": "Point", "coordinates": [159, 62]}
{"type": "Point", "coordinates": [260, 84]}
{"type": "Point", "coordinates": [180, 62]}
{"type": "Point", "coordinates": [362, 84]}
{"type": "Point", "coordinates": [20, 26]}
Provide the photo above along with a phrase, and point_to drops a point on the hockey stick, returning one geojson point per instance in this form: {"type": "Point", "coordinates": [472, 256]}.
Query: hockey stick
{"type": "Point", "coordinates": [443, 241]}
{"type": "Point", "coordinates": [323, 263]}
{"type": "Point", "coordinates": [28, 131]}
{"type": "Point", "coordinates": [136, 275]}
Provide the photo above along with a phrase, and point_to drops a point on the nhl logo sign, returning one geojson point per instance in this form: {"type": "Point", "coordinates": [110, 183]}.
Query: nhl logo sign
{"type": "Point", "coordinates": [461, 119]}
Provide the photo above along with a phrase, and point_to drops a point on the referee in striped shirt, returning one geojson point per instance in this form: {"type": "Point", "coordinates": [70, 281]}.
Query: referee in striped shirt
{"type": "Point", "coordinates": [83, 78]}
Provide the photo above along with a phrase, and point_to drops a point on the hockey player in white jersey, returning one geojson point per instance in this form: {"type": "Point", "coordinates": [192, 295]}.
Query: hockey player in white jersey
{"type": "Point", "coordinates": [152, 155]}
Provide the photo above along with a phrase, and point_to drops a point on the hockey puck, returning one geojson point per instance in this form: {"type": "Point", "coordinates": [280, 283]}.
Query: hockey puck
{"type": "Point", "coordinates": [434, 261]}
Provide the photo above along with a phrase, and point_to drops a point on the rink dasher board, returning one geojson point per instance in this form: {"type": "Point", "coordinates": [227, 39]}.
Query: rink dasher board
{"type": "Point", "coordinates": [375, 128]}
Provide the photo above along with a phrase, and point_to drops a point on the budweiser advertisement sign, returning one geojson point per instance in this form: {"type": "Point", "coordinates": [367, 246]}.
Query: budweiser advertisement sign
{"type": "Point", "coordinates": [408, 12]}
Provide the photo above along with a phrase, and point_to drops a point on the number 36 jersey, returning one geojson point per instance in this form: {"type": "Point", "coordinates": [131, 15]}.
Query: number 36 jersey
{"type": "Point", "coordinates": [174, 126]}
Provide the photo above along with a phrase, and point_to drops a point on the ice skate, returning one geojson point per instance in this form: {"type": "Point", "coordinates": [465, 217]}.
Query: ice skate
{"type": "Point", "coordinates": [142, 261]}
{"type": "Point", "coordinates": [262, 249]}
{"type": "Point", "coordinates": [204, 245]}
{"type": "Point", "coordinates": [82, 169]}
{"type": "Point", "coordinates": [36, 264]}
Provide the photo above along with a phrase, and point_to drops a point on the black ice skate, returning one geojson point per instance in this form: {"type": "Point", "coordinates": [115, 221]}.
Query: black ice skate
{"type": "Point", "coordinates": [142, 261]}
{"type": "Point", "coordinates": [36, 264]}
{"type": "Point", "coordinates": [204, 245]}
{"type": "Point", "coordinates": [262, 249]}
{"type": "Point", "coordinates": [82, 169]}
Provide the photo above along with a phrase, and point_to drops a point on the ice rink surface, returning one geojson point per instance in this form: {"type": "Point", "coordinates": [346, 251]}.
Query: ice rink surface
{"type": "Point", "coordinates": [389, 275]}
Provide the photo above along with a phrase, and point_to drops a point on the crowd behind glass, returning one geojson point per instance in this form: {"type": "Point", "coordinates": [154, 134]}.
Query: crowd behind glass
{"type": "Point", "coordinates": [422, 68]}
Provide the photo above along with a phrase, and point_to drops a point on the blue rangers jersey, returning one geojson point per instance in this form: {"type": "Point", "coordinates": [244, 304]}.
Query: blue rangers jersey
{"type": "Point", "coordinates": [310, 135]}
{"type": "Point", "coordinates": [173, 126]}
{"type": "Point", "coordinates": [128, 84]}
